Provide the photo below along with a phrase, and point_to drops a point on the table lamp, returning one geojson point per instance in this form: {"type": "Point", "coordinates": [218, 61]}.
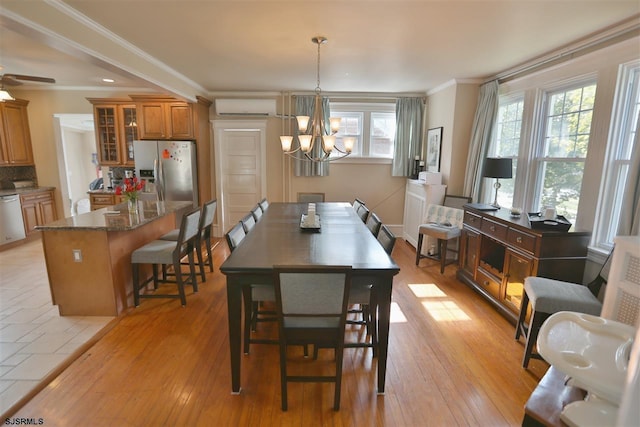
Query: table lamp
{"type": "Point", "coordinates": [497, 167]}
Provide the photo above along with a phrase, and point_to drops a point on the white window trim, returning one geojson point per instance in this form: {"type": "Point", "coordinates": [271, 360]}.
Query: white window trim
{"type": "Point", "coordinates": [536, 150]}
{"type": "Point", "coordinates": [616, 130]}
{"type": "Point", "coordinates": [359, 107]}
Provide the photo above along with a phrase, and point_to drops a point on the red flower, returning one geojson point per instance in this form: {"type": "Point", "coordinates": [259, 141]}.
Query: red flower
{"type": "Point", "coordinates": [130, 188]}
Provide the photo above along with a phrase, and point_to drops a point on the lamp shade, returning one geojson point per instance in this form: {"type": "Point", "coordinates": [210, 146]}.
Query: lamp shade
{"type": "Point", "coordinates": [497, 167]}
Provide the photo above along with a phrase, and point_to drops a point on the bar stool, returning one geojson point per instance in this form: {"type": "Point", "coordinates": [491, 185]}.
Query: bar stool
{"type": "Point", "coordinates": [204, 235]}
{"type": "Point", "coordinates": [164, 252]}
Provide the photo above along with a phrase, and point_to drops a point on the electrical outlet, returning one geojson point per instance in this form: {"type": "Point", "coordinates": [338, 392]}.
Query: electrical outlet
{"type": "Point", "coordinates": [77, 255]}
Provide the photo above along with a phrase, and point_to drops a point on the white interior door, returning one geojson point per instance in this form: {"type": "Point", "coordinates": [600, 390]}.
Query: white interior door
{"type": "Point", "coordinates": [240, 168]}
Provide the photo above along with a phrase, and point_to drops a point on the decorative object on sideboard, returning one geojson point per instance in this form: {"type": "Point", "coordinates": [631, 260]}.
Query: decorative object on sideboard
{"type": "Point", "coordinates": [497, 167]}
{"type": "Point", "coordinates": [314, 130]}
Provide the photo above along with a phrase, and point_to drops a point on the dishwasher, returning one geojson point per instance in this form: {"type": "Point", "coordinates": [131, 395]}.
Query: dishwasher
{"type": "Point", "coordinates": [11, 224]}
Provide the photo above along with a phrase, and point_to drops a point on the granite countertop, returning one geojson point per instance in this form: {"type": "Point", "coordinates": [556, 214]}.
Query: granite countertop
{"type": "Point", "coordinates": [12, 191]}
{"type": "Point", "coordinates": [118, 217]}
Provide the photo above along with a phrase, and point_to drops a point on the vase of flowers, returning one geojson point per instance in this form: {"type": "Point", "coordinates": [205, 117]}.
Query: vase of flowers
{"type": "Point", "coordinates": [130, 189]}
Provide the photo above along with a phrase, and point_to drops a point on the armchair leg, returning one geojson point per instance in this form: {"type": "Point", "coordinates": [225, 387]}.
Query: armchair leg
{"type": "Point", "coordinates": [443, 254]}
{"type": "Point", "coordinates": [419, 249]}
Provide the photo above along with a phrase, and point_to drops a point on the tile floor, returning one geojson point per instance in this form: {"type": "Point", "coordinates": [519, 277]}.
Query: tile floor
{"type": "Point", "coordinates": [34, 339]}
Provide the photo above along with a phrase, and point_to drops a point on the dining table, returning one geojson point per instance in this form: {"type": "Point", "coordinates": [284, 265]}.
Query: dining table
{"type": "Point", "coordinates": [281, 238]}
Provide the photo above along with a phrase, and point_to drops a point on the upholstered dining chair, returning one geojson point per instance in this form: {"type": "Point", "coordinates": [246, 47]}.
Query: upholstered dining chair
{"type": "Point", "coordinates": [362, 295]}
{"type": "Point", "coordinates": [264, 204]}
{"type": "Point", "coordinates": [373, 223]}
{"type": "Point", "coordinates": [363, 213]}
{"type": "Point", "coordinates": [548, 296]}
{"type": "Point", "coordinates": [252, 296]}
{"type": "Point", "coordinates": [310, 197]}
{"type": "Point", "coordinates": [204, 236]}
{"type": "Point", "coordinates": [165, 252]}
{"type": "Point", "coordinates": [311, 306]}
{"type": "Point", "coordinates": [257, 213]}
{"type": "Point", "coordinates": [248, 222]}
{"type": "Point", "coordinates": [356, 204]}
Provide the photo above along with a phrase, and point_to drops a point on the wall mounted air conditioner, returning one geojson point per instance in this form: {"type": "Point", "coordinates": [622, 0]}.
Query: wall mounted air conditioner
{"type": "Point", "coordinates": [246, 107]}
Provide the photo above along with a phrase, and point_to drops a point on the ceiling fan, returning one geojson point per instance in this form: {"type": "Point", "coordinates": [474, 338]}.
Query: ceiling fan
{"type": "Point", "coordinates": [16, 79]}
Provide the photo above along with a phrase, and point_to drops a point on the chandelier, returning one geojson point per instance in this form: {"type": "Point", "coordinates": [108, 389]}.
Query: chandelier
{"type": "Point", "coordinates": [313, 130]}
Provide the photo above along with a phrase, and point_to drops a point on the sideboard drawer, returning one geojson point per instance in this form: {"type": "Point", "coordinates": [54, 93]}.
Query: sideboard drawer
{"type": "Point", "coordinates": [494, 229]}
{"type": "Point", "coordinates": [472, 220]}
{"type": "Point", "coordinates": [524, 241]}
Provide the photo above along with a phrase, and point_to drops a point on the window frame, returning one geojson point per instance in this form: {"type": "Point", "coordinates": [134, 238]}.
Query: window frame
{"type": "Point", "coordinates": [537, 156]}
{"type": "Point", "coordinates": [625, 112]}
{"type": "Point", "coordinates": [366, 109]}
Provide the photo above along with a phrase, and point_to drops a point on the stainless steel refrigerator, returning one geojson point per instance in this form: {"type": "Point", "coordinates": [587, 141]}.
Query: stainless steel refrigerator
{"type": "Point", "coordinates": [169, 168]}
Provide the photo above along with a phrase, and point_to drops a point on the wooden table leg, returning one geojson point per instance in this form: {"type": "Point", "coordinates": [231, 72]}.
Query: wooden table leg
{"type": "Point", "coordinates": [234, 309]}
{"type": "Point", "coordinates": [383, 289]}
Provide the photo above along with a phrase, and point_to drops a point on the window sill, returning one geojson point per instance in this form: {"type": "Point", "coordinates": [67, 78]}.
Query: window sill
{"type": "Point", "coordinates": [364, 160]}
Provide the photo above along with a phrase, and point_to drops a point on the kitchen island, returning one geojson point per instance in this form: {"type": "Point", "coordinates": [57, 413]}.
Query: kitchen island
{"type": "Point", "coordinates": [88, 256]}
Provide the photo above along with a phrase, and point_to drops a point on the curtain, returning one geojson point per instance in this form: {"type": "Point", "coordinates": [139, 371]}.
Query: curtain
{"type": "Point", "coordinates": [630, 212]}
{"type": "Point", "coordinates": [409, 112]}
{"type": "Point", "coordinates": [305, 106]}
{"type": "Point", "coordinates": [483, 122]}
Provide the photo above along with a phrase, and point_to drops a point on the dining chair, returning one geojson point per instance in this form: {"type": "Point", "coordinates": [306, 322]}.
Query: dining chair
{"type": "Point", "coordinates": [311, 306]}
{"type": "Point", "coordinates": [164, 252]}
{"type": "Point", "coordinates": [264, 204]}
{"type": "Point", "coordinates": [204, 236]}
{"type": "Point", "coordinates": [548, 296]}
{"type": "Point", "coordinates": [310, 197]}
{"type": "Point", "coordinates": [248, 222]}
{"type": "Point", "coordinates": [363, 295]}
{"type": "Point", "coordinates": [257, 213]}
{"type": "Point", "coordinates": [374, 223]}
{"type": "Point", "coordinates": [252, 296]}
{"type": "Point", "coordinates": [363, 213]}
{"type": "Point", "coordinates": [356, 204]}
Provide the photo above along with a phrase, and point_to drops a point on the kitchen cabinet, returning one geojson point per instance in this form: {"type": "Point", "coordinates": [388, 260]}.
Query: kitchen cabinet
{"type": "Point", "coordinates": [103, 200]}
{"type": "Point", "coordinates": [38, 208]}
{"type": "Point", "coordinates": [116, 128]}
{"type": "Point", "coordinates": [418, 195]}
{"type": "Point", "coordinates": [164, 118]}
{"type": "Point", "coordinates": [500, 251]}
{"type": "Point", "coordinates": [15, 137]}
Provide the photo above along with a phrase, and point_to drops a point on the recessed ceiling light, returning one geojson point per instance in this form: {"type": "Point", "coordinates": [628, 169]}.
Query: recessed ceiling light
{"type": "Point", "coordinates": [108, 80]}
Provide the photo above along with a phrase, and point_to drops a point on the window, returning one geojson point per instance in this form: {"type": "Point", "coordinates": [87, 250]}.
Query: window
{"type": "Point", "coordinates": [562, 148]}
{"type": "Point", "coordinates": [506, 143]}
{"type": "Point", "coordinates": [623, 129]}
{"type": "Point", "coordinates": [372, 125]}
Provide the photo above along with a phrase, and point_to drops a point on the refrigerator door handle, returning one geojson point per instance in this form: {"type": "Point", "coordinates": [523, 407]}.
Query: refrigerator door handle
{"type": "Point", "coordinates": [159, 178]}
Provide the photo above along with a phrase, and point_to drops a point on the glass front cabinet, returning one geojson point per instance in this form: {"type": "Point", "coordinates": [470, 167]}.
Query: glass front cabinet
{"type": "Point", "coordinates": [116, 128]}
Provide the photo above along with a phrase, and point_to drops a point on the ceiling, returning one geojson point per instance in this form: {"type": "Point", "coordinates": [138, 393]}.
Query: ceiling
{"type": "Point", "coordinates": [207, 47]}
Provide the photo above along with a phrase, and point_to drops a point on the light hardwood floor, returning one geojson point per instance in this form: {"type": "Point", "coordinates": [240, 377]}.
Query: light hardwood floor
{"type": "Point", "coordinates": [452, 361]}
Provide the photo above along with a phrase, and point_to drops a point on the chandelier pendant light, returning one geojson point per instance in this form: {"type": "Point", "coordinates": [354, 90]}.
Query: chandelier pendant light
{"type": "Point", "coordinates": [313, 130]}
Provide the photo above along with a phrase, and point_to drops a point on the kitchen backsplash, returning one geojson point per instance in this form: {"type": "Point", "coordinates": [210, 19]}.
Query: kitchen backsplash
{"type": "Point", "coordinates": [16, 173]}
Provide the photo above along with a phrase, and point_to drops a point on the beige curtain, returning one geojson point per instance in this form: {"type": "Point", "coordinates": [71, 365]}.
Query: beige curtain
{"type": "Point", "coordinates": [483, 122]}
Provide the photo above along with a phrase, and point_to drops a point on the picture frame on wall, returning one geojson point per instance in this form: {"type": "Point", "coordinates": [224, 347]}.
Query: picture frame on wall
{"type": "Point", "coordinates": [434, 145]}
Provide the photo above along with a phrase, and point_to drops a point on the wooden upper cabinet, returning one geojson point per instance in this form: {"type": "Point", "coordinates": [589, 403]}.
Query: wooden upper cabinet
{"type": "Point", "coordinates": [15, 137]}
{"type": "Point", "coordinates": [116, 128]}
{"type": "Point", "coordinates": [164, 118]}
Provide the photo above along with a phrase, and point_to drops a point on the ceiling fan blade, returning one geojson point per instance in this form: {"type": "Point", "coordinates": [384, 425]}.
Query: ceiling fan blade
{"type": "Point", "coordinates": [30, 78]}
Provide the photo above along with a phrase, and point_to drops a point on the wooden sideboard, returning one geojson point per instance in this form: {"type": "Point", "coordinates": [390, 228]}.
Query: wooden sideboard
{"type": "Point", "coordinates": [498, 251]}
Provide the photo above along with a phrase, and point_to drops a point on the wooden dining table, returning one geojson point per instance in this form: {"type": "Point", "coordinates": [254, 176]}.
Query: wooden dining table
{"type": "Point", "coordinates": [279, 239]}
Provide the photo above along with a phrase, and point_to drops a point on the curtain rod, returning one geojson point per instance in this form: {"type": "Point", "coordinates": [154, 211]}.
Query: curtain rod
{"type": "Point", "coordinates": [356, 95]}
{"type": "Point", "coordinates": [618, 33]}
